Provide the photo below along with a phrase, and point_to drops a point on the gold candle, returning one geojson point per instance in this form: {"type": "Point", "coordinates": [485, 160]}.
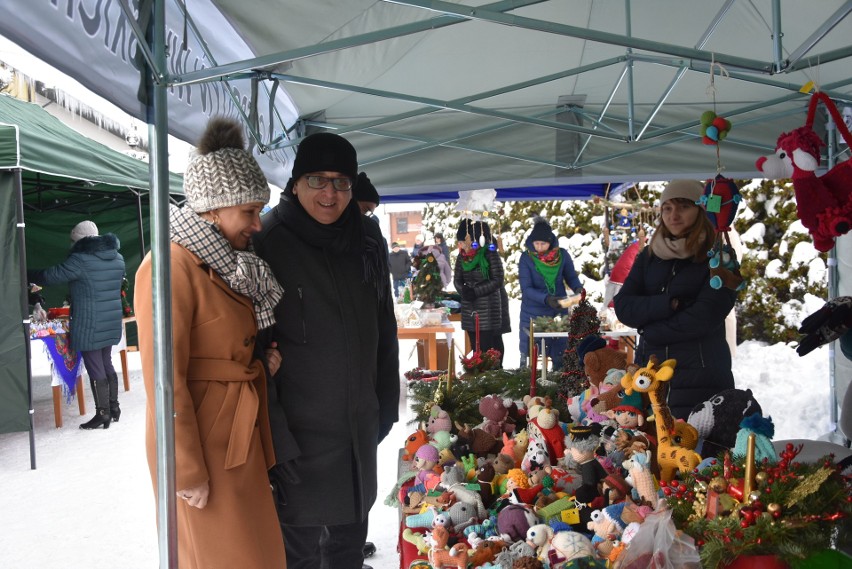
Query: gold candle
{"type": "Point", "coordinates": [748, 477]}
{"type": "Point", "coordinates": [532, 343]}
{"type": "Point", "coordinates": [450, 367]}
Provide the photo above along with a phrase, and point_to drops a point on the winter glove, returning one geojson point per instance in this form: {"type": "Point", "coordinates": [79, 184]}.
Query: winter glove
{"type": "Point", "coordinates": [826, 324]}
{"type": "Point", "coordinates": [281, 474]}
{"type": "Point", "coordinates": [467, 293]}
{"type": "Point", "coordinates": [552, 302]}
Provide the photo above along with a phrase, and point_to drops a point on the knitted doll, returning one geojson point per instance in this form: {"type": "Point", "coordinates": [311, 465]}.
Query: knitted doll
{"type": "Point", "coordinates": [546, 427]}
{"type": "Point", "coordinates": [764, 430]}
{"type": "Point", "coordinates": [639, 476]}
{"type": "Point", "coordinates": [582, 443]}
{"type": "Point", "coordinates": [607, 526]}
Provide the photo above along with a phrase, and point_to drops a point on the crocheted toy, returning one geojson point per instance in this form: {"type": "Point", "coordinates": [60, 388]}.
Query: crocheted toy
{"type": "Point", "coordinates": [607, 526]}
{"type": "Point", "coordinates": [454, 480]}
{"type": "Point", "coordinates": [478, 441]}
{"type": "Point", "coordinates": [568, 548]}
{"type": "Point", "coordinates": [417, 539]}
{"type": "Point", "coordinates": [536, 456]}
{"type": "Point", "coordinates": [440, 557]}
{"type": "Point", "coordinates": [629, 413]}
{"type": "Point", "coordinates": [515, 552]}
{"type": "Point", "coordinates": [652, 379]}
{"type": "Point", "coordinates": [597, 363]}
{"type": "Point", "coordinates": [539, 536]}
{"type": "Point", "coordinates": [495, 413]}
{"type": "Point", "coordinates": [545, 427]}
{"type": "Point", "coordinates": [714, 128]}
{"type": "Point", "coordinates": [414, 441]}
{"type": "Point", "coordinates": [485, 478]}
{"type": "Point", "coordinates": [457, 517]}
{"type": "Point", "coordinates": [717, 420]}
{"type": "Point", "coordinates": [514, 520]}
{"type": "Point", "coordinates": [639, 476]}
{"type": "Point", "coordinates": [764, 430]}
{"type": "Point", "coordinates": [822, 203]}
{"type": "Point", "coordinates": [439, 420]}
{"type": "Point", "coordinates": [485, 551]}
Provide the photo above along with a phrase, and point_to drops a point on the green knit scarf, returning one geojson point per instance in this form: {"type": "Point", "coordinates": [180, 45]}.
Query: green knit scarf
{"type": "Point", "coordinates": [548, 269]}
{"type": "Point", "coordinates": [477, 260]}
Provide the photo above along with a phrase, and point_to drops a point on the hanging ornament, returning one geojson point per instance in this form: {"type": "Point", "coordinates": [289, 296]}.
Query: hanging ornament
{"type": "Point", "coordinates": [714, 128]}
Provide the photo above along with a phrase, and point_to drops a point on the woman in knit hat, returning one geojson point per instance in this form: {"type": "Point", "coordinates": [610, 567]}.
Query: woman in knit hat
{"type": "Point", "coordinates": [222, 293]}
{"type": "Point", "coordinates": [545, 272]}
{"type": "Point", "coordinates": [94, 271]}
{"type": "Point", "coordinates": [478, 278]}
{"type": "Point", "coordinates": [667, 296]}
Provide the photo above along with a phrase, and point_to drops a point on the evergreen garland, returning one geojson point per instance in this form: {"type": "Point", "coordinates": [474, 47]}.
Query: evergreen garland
{"type": "Point", "coordinates": [126, 308]}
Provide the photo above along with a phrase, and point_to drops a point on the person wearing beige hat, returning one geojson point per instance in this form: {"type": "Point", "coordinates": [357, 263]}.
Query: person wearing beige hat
{"type": "Point", "coordinates": [94, 270]}
{"type": "Point", "coordinates": [667, 296]}
{"type": "Point", "coordinates": [222, 294]}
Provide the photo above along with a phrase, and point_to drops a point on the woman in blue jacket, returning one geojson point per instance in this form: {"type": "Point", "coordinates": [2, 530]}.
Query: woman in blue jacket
{"type": "Point", "coordinates": [667, 297]}
{"type": "Point", "coordinates": [93, 270]}
{"type": "Point", "coordinates": [543, 271]}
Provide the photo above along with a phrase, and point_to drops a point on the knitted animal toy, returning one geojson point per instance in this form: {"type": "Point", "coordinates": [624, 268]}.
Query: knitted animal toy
{"type": "Point", "coordinates": [515, 552]}
{"type": "Point", "coordinates": [536, 456]}
{"type": "Point", "coordinates": [567, 548]}
{"type": "Point", "coordinates": [439, 420]}
{"type": "Point", "coordinates": [545, 427]}
{"type": "Point", "coordinates": [597, 363]}
{"type": "Point", "coordinates": [514, 520]}
{"type": "Point", "coordinates": [453, 480]}
{"type": "Point", "coordinates": [717, 420]}
{"type": "Point", "coordinates": [495, 414]}
{"type": "Point", "coordinates": [822, 208]}
{"type": "Point", "coordinates": [651, 379]}
{"type": "Point", "coordinates": [460, 516]}
{"type": "Point", "coordinates": [479, 441]}
{"type": "Point", "coordinates": [414, 441]}
{"type": "Point", "coordinates": [440, 557]}
{"type": "Point", "coordinates": [539, 536]}
{"type": "Point", "coordinates": [485, 551]}
{"type": "Point", "coordinates": [417, 539]}
{"type": "Point", "coordinates": [639, 476]}
{"type": "Point", "coordinates": [725, 269]}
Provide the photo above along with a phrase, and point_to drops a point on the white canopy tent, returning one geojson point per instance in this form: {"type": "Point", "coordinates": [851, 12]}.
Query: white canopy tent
{"type": "Point", "coordinates": [444, 96]}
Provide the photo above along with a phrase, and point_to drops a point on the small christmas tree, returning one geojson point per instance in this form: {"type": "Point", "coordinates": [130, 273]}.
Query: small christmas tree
{"type": "Point", "coordinates": [428, 287]}
{"type": "Point", "coordinates": [584, 321]}
{"type": "Point", "coordinates": [126, 308]}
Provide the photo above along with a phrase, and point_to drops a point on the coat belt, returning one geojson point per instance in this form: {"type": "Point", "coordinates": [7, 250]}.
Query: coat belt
{"type": "Point", "coordinates": [245, 415]}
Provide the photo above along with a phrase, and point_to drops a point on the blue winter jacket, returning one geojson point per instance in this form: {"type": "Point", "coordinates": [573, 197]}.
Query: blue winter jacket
{"type": "Point", "coordinates": [534, 291]}
{"type": "Point", "coordinates": [93, 270]}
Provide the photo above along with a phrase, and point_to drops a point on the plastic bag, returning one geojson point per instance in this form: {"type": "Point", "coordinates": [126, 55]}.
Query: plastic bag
{"type": "Point", "coordinates": [659, 545]}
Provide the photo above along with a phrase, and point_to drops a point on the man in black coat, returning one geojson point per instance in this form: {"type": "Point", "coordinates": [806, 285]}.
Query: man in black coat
{"type": "Point", "coordinates": [336, 394]}
{"type": "Point", "coordinates": [400, 267]}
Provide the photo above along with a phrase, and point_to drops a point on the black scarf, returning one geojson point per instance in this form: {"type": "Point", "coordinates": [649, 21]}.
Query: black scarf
{"type": "Point", "coordinates": [346, 236]}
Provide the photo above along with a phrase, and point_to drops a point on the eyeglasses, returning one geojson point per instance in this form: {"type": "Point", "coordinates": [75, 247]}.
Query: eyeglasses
{"type": "Point", "coordinates": [320, 182]}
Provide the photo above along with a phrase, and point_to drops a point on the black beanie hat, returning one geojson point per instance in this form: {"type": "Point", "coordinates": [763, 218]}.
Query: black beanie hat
{"type": "Point", "coordinates": [365, 191]}
{"type": "Point", "coordinates": [325, 152]}
{"type": "Point", "coordinates": [475, 229]}
{"type": "Point", "coordinates": [542, 231]}
{"type": "Point", "coordinates": [589, 344]}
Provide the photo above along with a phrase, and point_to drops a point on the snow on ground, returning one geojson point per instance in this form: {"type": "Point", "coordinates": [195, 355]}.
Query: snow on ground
{"type": "Point", "coordinates": [89, 502]}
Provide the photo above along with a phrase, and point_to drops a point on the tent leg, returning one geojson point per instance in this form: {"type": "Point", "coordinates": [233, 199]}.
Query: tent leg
{"type": "Point", "coordinates": [25, 305]}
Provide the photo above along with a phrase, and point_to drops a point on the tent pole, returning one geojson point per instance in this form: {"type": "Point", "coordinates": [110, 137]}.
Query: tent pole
{"type": "Point", "coordinates": [833, 292]}
{"type": "Point", "coordinates": [25, 304]}
{"type": "Point", "coordinates": [139, 224]}
{"type": "Point", "coordinates": [157, 119]}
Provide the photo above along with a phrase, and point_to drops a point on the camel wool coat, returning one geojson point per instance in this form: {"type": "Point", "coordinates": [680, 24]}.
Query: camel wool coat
{"type": "Point", "coordinates": [221, 419]}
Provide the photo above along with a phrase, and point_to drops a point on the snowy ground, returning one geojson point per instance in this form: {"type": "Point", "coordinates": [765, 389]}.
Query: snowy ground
{"type": "Point", "coordinates": [89, 502]}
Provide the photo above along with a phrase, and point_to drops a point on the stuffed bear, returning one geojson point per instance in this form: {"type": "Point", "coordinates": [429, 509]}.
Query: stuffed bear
{"type": "Point", "coordinates": [599, 362]}
{"type": "Point", "coordinates": [495, 413]}
{"type": "Point", "coordinates": [717, 420]}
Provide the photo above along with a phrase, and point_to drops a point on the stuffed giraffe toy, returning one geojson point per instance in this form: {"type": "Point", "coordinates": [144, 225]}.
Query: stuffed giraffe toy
{"type": "Point", "coordinates": [652, 379]}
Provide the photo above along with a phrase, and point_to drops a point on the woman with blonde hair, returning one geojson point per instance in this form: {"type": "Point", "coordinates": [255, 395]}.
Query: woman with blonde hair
{"type": "Point", "coordinates": [667, 296]}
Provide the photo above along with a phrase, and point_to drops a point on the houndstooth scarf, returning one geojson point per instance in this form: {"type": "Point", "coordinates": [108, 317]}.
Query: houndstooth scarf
{"type": "Point", "coordinates": [245, 272]}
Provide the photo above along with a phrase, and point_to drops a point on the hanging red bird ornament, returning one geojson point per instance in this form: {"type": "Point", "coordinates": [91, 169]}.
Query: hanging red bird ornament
{"type": "Point", "coordinates": [721, 199]}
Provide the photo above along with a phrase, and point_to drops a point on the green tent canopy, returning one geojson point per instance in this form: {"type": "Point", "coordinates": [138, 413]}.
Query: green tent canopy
{"type": "Point", "coordinates": [57, 178]}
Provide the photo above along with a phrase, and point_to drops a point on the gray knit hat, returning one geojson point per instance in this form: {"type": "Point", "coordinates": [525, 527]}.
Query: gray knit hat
{"type": "Point", "coordinates": [222, 173]}
{"type": "Point", "coordinates": [691, 190]}
{"type": "Point", "coordinates": [84, 229]}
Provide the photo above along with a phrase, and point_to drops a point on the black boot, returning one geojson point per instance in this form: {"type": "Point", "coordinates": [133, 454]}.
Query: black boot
{"type": "Point", "coordinates": [114, 409]}
{"type": "Point", "coordinates": [100, 392]}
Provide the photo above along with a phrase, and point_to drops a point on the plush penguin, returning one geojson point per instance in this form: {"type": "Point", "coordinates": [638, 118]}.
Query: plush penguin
{"type": "Point", "coordinates": [717, 420]}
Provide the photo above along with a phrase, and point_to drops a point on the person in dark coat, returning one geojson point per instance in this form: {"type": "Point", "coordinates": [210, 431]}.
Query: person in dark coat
{"type": "Point", "coordinates": [478, 278]}
{"type": "Point", "coordinates": [543, 272]}
{"type": "Point", "coordinates": [400, 267]}
{"type": "Point", "coordinates": [667, 297]}
{"type": "Point", "coordinates": [336, 395]}
{"type": "Point", "coordinates": [442, 243]}
{"type": "Point", "coordinates": [93, 270]}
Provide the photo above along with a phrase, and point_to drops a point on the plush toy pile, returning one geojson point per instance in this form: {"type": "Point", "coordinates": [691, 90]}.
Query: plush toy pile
{"type": "Point", "coordinates": [618, 484]}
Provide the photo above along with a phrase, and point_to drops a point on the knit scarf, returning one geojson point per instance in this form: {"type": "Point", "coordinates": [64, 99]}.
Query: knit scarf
{"type": "Point", "coordinates": [548, 265]}
{"type": "Point", "coordinates": [471, 261]}
{"type": "Point", "coordinates": [666, 248]}
{"type": "Point", "coordinates": [245, 272]}
{"type": "Point", "coordinates": [346, 236]}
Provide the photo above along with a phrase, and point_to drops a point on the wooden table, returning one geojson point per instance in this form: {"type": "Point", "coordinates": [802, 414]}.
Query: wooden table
{"type": "Point", "coordinates": [123, 350]}
{"type": "Point", "coordinates": [457, 318]}
{"type": "Point", "coordinates": [429, 336]}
